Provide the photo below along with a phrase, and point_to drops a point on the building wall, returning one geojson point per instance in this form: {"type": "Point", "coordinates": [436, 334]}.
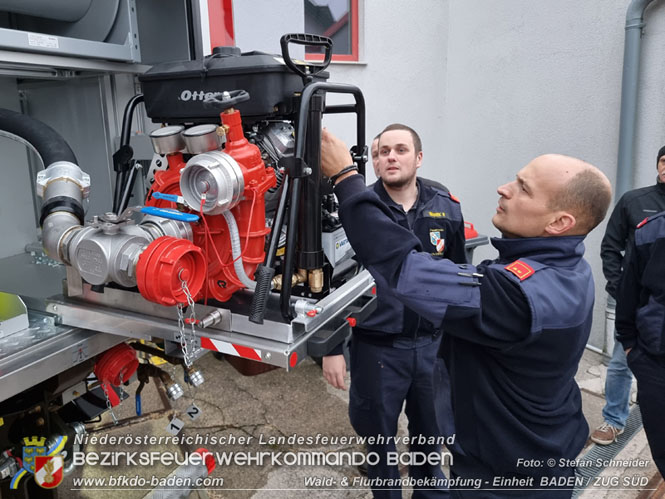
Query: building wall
{"type": "Point", "coordinates": [489, 85]}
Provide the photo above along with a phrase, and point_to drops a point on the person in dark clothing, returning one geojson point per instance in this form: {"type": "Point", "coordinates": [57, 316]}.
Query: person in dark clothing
{"type": "Point", "coordinates": [630, 210]}
{"type": "Point", "coordinates": [640, 324]}
{"type": "Point", "coordinates": [515, 327]}
{"type": "Point", "coordinates": [374, 151]}
{"type": "Point", "coordinates": [393, 352]}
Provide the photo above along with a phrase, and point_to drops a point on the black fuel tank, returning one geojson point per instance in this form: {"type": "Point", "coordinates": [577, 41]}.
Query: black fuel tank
{"type": "Point", "coordinates": [174, 91]}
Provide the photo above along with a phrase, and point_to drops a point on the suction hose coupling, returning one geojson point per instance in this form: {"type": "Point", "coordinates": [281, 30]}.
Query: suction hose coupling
{"type": "Point", "coordinates": [165, 265]}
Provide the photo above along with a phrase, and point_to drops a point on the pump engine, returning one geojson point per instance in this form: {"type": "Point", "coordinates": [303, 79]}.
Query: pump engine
{"type": "Point", "coordinates": [238, 231]}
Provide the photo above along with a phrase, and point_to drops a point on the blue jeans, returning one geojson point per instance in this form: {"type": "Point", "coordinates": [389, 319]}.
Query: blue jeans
{"type": "Point", "coordinates": [617, 388]}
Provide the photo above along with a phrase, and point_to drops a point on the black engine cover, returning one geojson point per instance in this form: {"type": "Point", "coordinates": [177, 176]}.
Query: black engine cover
{"type": "Point", "coordinates": [174, 91]}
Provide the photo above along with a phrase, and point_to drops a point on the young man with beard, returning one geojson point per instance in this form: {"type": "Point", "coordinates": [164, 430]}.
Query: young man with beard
{"type": "Point", "coordinates": [515, 328]}
{"type": "Point", "coordinates": [393, 352]}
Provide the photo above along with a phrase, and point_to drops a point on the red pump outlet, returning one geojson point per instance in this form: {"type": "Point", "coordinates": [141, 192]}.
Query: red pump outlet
{"type": "Point", "coordinates": [164, 264]}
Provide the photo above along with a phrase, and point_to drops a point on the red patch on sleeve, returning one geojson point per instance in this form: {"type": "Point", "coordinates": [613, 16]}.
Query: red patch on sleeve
{"type": "Point", "coordinates": [520, 269]}
{"type": "Point", "coordinates": [454, 198]}
{"type": "Point", "coordinates": [642, 222]}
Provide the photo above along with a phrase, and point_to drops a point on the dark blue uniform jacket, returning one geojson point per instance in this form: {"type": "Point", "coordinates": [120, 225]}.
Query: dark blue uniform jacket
{"type": "Point", "coordinates": [437, 218]}
{"type": "Point", "coordinates": [512, 344]}
{"type": "Point", "coordinates": [630, 210]}
{"type": "Point", "coordinates": [641, 293]}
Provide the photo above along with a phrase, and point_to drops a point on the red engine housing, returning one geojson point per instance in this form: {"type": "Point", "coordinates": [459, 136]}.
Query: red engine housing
{"type": "Point", "coordinates": [221, 280]}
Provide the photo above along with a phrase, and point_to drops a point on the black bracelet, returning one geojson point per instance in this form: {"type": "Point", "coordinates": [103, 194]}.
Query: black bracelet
{"type": "Point", "coordinates": [346, 169]}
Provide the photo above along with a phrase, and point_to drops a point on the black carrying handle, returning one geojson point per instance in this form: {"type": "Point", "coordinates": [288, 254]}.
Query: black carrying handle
{"type": "Point", "coordinates": [235, 97]}
{"type": "Point", "coordinates": [306, 39]}
{"type": "Point", "coordinates": [263, 278]}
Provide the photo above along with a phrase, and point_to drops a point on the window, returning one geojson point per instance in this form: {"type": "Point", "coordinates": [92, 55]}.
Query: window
{"type": "Point", "coordinates": [336, 19]}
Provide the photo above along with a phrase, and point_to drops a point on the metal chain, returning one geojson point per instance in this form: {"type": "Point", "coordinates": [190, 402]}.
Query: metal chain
{"type": "Point", "coordinates": [187, 341]}
{"type": "Point", "coordinates": [181, 331]}
{"type": "Point", "coordinates": [192, 314]}
{"type": "Point", "coordinates": [108, 404]}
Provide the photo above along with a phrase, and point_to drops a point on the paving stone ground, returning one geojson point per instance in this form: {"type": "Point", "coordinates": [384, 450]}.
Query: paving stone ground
{"type": "Point", "coordinates": [265, 410]}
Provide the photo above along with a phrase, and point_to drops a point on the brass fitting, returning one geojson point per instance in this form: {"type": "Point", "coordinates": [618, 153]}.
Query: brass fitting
{"type": "Point", "coordinates": [302, 275]}
{"type": "Point", "coordinates": [316, 280]}
{"type": "Point", "coordinates": [298, 278]}
{"type": "Point", "coordinates": [276, 282]}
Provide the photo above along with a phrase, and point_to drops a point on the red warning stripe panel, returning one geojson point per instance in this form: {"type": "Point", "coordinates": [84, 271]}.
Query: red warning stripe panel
{"type": "Point", "coordinates": [207, 344]}
{"type": "Point", "coordinates": [231, 349]}
{"type": "Point", "coordinates": [247, 353]}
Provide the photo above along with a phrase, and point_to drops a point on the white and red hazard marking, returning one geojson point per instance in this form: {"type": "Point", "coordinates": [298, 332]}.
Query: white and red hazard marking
{"type": "Point", "coordinates": [48, 471]}
{"type": "Point", "coordinates": [231, 349]}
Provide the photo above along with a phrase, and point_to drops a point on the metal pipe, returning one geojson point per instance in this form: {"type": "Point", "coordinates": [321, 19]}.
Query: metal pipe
{"type": "Point", "coordinates": [303, 114]}
{"type": "Point", "coordinates": [289, 257]}
{"type": "Point", "coordinates": [57, 225]}
{"type": "Point", "coordinates": [338, 88]}
{"type": "Point", "coordinates": [265, 272]}
{"type": "Point", "coordinates": [629, 90]}
{"type": "Point", "coordinates": [277, 223]}
{"type": "Point", "coordinates": [309, 253]}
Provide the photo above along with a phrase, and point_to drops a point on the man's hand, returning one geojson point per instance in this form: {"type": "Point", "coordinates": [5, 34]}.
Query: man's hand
{"type": "Point", "coordinates": [628, 351]}
{"type": "Point", "coordinates": [334, 369]}
{"type": "Point", "coordinates": [334, 154]}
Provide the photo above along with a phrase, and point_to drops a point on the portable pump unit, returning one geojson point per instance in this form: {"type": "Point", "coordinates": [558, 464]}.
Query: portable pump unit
{"type": "Point", "coordinates": [239, 248]}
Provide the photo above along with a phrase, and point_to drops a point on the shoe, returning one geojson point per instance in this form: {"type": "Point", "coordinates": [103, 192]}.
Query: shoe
{"type": "Point", "coordinates": [605, 434]}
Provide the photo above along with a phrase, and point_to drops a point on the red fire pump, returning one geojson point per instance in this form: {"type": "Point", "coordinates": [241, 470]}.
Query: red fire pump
{"type": "Point", "coordinates": [234, 180]}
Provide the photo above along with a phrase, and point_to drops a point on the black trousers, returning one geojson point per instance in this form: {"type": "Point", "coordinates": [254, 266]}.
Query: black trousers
{"type": "Point", "coordinates": [383, 379]}
{"type": "Point", "coordinates": [649, 371]}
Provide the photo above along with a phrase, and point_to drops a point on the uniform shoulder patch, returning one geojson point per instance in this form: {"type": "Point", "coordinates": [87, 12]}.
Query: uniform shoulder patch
{"type": "Point", "coordinates": [642, 223]}
{"type": "Point", "coordinates": [520, 269]}
{"type": "Point", "coordinates": [453, 198]}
